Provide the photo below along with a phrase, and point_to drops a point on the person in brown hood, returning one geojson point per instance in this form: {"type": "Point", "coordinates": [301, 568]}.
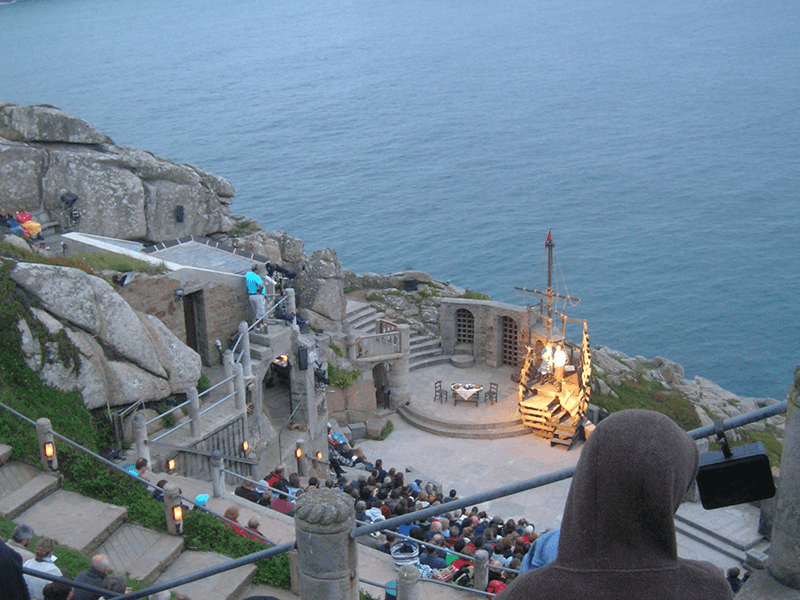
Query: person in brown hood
{"type": "Point", "coordinates": [618, 535]}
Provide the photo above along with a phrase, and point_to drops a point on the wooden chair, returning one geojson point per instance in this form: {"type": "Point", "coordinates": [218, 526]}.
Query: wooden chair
{"type": "Point", "coordinates": [438, 393]}
{"type": "Point", "coordinates": [491, 395]}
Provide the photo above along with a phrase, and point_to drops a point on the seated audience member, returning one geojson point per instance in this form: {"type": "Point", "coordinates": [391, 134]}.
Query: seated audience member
{"type": "Point", "coordinates": [232, 514]}
{"type": "Point", "coordinates": [56, 590]}
{"type": "Point", "coordinates": [247, 491]}
{"type": "Point", "coordinates": [115, 584]}
{"type": "Point", "coordinates": [252, 528]}
{"type": "Point", "coordinates": [158, 494]}
{"type": "Point", "coordinates": [42, 563]}
{"type": "Point", "coordinates": [31, 228]}
{"type": "Point", "coordinates": [617, 536]}
{"type": "Point", "coordinates": [20, 539]}
{"type": "Point", "coordinates": [732, 577]}
{"type": "Point", "coordinates": [277, 475]}
{"type": "Point", "coordinates": [10, 223]}
{"type": "Point", "coordinates": [141, 468]}
{"type": "Point", "coordinates": [94, 577]}
{"type": "Point", "coordinates": [429, 556]}
{"type": "Point", "coordinates": [12, 583]}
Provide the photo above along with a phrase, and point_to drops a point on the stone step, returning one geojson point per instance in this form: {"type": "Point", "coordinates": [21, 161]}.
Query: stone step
{"type": "Point", "coordinates": [22, 486]}
{"type": "Point", "coordinates": [143, 553]}
{"type": "Point", "coordinates": [736, 526]}
{"type": "Point", "coordinates": [426, 353]}
{"type": "Point", "coordinates": [5, 454]}
{"type": "Point", "coordinates": [423, 342]}
{"type": "Point", "coordinates": [76, 521]}
{"type": "Point", "coordinates": [697, 535]}
{"type": "Point", "coordinates": [477, 431]}
{"type": "Point", "coordinates": [224, 586]}
{"type": "Point", "coordinates": [260, 353]}
{"type": "Point", "coordinates": [462, 361]}
{"type": "Point", "coordinates": [428, 362]}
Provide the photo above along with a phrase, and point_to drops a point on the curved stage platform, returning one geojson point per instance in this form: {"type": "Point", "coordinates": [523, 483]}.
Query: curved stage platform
{"type": "Point", "coordinates": [464, 420]}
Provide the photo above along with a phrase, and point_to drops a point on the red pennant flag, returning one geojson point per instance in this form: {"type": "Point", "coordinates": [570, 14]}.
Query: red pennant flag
{"type": "Point", "coordinates": [549, 238]}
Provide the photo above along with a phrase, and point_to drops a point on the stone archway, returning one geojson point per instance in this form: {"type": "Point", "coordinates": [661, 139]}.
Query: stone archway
{"type": "Point", "coordinates": [380, 379]}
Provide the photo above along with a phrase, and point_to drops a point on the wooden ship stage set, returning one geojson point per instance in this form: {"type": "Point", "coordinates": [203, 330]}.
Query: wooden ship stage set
{"type": "Point", "coordinates": [554, 407]}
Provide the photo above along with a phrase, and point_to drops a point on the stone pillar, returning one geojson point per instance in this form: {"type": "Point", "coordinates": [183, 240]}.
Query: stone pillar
{"type": "Point", "coordinates": [241, 395]}
{"type": "Point", "coordinates": [227, 364]}
{"type": "Point", "coordinates": [217, 478]}
{"type": "Point", "coordinates": [481, 572]}
{"type": "Point", "coordinates": [328, 557]}
{"type": "Point", "coordinates": [47, 446]}
{"type": "Point", "coordinates": [408, 583]}
{"type": "Point", "coordinates": [399, 374]}
{"type": "Point", "coordinates": [140, 435]}
{"type": "Point", "coordinates": [245, 343]}
{"type": "Point", "coordinates": [784, 550]}
{"type": "Point", "coordinates": [291, 306]}
{"type": "Point", "coordinates": [194, 412]}
{"type": "Point", "coordinates": [352, 347]}
{"type": "Point", "coordinates": [302, 458]}
{"type": "Point", "coordinates": [173, 509]}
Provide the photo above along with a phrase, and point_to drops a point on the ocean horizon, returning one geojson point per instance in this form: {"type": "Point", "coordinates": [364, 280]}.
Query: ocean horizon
{"type": "Point", "coordinates": [659, 143]}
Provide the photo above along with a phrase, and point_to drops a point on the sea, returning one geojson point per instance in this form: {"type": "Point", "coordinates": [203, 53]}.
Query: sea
{"type": "Point", "coordinates": [659, 142]}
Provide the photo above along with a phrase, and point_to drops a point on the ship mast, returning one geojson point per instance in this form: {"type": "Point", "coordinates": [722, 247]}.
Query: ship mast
{"type": "Point", "coordinates": [549, 294]}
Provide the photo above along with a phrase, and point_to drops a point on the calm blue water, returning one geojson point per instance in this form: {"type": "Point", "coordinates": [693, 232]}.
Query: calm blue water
{"type": "Point", "coordinates": [659, 141]}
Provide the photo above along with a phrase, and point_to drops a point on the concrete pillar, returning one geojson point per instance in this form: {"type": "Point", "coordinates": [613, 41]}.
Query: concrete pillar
{"type": "Point", "coordinates": [291, 306]}
{"type": "Point", "coordinates": [352, 347]}
{"type": "Point", "coordinates": [227, 364]}
{"type": "Point", "coordinates": [328, 557]}
{"type": "Point", "coordinates": [408, 583]}
{"type": "Point", "coordinates": [481, 572]}
{"type": "Point", "coordinates": [399, 374]}
{"type": "Point", "coordinates": [47, 446]}
{"type": "Point", "coordinates": [240, 399]}
{"type": "Point", "coordinates": [245, 347]}
{"type": "Point", "coordinates": [217, 477]}
{"type": "Point", "coordinates": [194, 412]}
{"type": "Point", "coordinates": [173, 509]}
{"type": "Point", "coordinates": [140, 436]}
{"type": "Point", "coordinates": [302, 458]}
{"type": "Point", "coordinates": [784, 550]}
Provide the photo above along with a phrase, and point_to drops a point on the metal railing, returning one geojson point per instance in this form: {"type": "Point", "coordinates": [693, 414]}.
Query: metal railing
{"type": "Point", "coordinates": [395, 522]}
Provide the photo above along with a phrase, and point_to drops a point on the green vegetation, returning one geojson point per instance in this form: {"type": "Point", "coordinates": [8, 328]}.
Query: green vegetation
{"type": "Point", "coordinates": [373, 297]}
{"type": "Point", "coordinates": [244, 226]}
{"type": "Point", "coordinates": [350, 289]}
{"type": "Point", "coordinates": [652, 396]}
{"type": "Point", "coordinates": [203, 383]}
{"type": "Point", "coordinates": [471, 295]}
{"type": "Point", "coordinates": [89, 263]}
{"type": "Point", "coordinates": [337, 350]}
{"type": "Point", "coordinates": [342, 378]}
{"type": "Point", "coordinates": [772, 445]}
{"type": "Point", "coordinates": [387, 429]}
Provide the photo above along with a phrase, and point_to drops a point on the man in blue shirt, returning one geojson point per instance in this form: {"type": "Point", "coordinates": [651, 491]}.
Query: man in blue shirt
{"type": "Point", "coordinates": [256, 292]}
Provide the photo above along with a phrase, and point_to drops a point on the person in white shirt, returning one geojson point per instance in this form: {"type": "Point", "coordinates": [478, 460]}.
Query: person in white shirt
{"type": "Point", "coordinates": [42, 563]}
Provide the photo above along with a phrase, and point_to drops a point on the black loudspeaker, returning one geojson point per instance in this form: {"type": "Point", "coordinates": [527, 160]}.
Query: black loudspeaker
{"type": "Point", "coordinates": [744, 476]}
{"type": "Point", "coordinates": [302, 358]}
{"type": "Point", "coordinates": [179, 213]}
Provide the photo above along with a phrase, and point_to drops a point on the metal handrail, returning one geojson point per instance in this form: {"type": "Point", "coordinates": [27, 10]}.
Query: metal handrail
{"type": "Point", "coordinates": [215, 386]}
{"type": "Point", "coordinates": [164, 414]}
{"type": "Point", "coordinates": [541, 480]}
{"type": "Point", "coordinates": [251, 327]}
{"type": "Point", "coordinates": [205, 453]}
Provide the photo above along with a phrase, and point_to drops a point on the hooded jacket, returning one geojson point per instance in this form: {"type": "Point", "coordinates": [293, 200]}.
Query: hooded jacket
{"type": "Point", "coordinates": [618, 535]}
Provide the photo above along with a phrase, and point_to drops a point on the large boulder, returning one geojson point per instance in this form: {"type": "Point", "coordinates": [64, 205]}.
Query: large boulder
{"type": "Point", "coordinates": [122, 355]}
{"type": "Point", "coordinates": [122, 192]}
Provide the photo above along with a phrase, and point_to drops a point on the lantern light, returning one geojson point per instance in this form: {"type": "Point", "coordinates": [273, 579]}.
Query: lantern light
{"type": "Point", "coordinates": [170, 465]}
{"type": "Point", "coordinates": [319, 455]}
{"type": "Point", "coordinates": [245, 446]}
{"type": "Point", "coordinates": [298, 452]}
{"type": "Point", "coordinates": [177, 513]}
{"type": "Point", "coordinates": [49, 449]}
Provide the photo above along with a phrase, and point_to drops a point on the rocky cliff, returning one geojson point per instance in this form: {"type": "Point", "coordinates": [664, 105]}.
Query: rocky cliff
{"type": "Point", "coordinates": [82, 335]}
{"type": "Point", "coordinates": [122, 192]}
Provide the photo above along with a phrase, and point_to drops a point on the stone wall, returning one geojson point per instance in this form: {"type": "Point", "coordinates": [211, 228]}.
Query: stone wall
{"type": "Point", "coordinates": [353, 405]}
{"type": "Point", "coordinates": [218, 308]}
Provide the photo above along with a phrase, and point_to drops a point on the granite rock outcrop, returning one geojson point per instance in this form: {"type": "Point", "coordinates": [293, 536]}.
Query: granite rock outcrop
{"type": "Point", "coordinates": [96, 343]}
{"type": "Point", "coordinates": [122, 192]}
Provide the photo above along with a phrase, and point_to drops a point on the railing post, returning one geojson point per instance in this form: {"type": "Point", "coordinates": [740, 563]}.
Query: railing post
{"type": "Point", "coordinates": [408, 583]}
{"type": "Point", "coordinates": [194, 412]}
{"type": "Point", "coordinates": [140, 435]}
{"type": "Point", "coordinates": [227, 367]}
{"type": "Point", "coordinates": [352, 347]}
{"type": "Point", "coordinates": [245, 362]}
{"type": "Point", "coordinates": [217, 480]}
{"type": "Point", "coordinates": [173, 509]}
{"type": "Point", "coordinates": [291, 306]}
{"type": "Point", "coordinates": [47, 447]}
{"type": "Point", "coordinates": [328, 556]}
{"type": "Point", "coordinates": [238, 381]}
{"type": "Point", "coordinates": [481, 573]}
{"type": "Point", "coordinates": [302, 459]}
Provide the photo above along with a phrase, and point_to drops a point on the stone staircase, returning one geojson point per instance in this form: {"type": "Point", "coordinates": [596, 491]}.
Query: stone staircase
{"type": "Point", "coordinates": [464, 430]}
{"type": "Point", "coordinates": [27, 495]}
{"type": "Point", "coordinates": [426, 350]}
